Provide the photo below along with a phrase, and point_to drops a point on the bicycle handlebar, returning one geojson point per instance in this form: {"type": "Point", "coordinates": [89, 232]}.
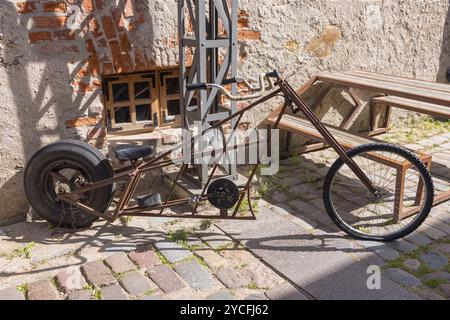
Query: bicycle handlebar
{"type": "Point", "coordinates": [259, 90]}
{"type": "Point", "coordinates": [200, 86]}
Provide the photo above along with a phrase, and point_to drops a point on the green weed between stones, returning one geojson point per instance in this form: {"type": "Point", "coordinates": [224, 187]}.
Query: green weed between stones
{"type": "Point", "coordinates": [199, 260]}
{"type": "Point", "coordinates": [95, 292]}
{"type": "Point", "coordinates": [23, 288]}
{"type": "Point", "coordinates": [244, 208]}
{"type": "Point", "coordinates": [253, 286]}
{"type": "Point", "coordinates": [181, 237]}
{"type": "Point", "coordinates": [434, 283]}
{"type": "Point", "coordinates": [263, 189]}
{"type": "Point", "coordinates": [125, 220]}
{"type": "Point", "coordinates": [118, 275]}
{"type": "Point", "coordinates": [205, 224]}
{"type": "Point", "coordinates": [23, 252]}
{"type": "Point", "coordinates": [162, 258]}
{"type": "Point", "coordinates": [296, 159]}
{"type": "Point", "coordinates": [150, 292]}
{"type": "Point", "coordinates": [173, 222]}
{"type": "Point", "coordinates": [447, 268]}
{"type": "Point", "coordinates": [223, 247]}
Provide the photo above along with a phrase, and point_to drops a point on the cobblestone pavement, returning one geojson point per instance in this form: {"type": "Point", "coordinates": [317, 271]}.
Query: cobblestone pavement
{"type": "Point", "coordinates": [192, 261]}
{"type": "Point", "coordinates": [293, 251]}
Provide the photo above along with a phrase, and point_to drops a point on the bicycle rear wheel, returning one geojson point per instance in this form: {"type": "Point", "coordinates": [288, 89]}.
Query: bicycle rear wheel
{"type": "Point", "coordinates": [365, 216]}
{"type": "Point", "coordinates": [62, 167]}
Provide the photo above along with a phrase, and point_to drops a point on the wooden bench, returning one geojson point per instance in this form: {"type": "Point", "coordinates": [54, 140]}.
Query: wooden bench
{"type": "Point", "coordinates": [301, 126]}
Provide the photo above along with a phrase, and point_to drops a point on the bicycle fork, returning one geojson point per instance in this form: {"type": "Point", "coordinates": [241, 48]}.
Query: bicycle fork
{"type": "Point", "coordinates": [309, 114]}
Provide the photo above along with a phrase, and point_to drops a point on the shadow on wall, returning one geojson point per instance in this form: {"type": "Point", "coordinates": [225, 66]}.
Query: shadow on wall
{"type": "Point", "coordinates": [444, 65]}
{"type": "Point", "coordinates": [40, 94]}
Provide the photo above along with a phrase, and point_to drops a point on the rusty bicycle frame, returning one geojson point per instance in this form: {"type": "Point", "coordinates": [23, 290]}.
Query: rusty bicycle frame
{"type": "Point", "coordinates": [132, 173]}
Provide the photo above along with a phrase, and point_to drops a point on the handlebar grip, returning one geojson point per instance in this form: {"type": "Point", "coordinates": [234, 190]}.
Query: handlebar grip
{"type": "Point", "coordinates": [273, 74]}
{"type": "Point", "coordinates": [229, 81]}
{"type": "Point", "coordinates": [198, 86]}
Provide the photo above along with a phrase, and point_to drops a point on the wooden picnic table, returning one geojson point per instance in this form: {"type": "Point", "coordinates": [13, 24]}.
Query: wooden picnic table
{"type": "Point", "coordinates": [419, 90]}
{"type": "Point", "coordinates": [410, 94]}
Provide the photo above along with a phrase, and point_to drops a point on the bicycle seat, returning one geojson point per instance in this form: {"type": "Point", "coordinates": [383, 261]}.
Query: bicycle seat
{"type": "Point", "coordinates": [124, 153]}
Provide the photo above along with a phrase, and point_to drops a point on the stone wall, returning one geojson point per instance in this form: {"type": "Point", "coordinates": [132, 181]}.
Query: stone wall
{"type": "Point", "coordinates": [53, 55]}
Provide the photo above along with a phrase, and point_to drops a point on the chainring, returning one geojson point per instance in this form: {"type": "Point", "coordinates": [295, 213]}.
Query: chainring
{"type": "Point", "coordinates": [223, 194]}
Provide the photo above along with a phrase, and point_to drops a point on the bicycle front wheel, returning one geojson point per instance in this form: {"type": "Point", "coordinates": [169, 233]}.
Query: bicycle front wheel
{"type": "Point", "coordinates": [405, 193]}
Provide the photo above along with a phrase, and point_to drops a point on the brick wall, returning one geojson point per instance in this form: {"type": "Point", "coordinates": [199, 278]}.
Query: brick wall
{"type": "Point", "coordinates": [58, 26]}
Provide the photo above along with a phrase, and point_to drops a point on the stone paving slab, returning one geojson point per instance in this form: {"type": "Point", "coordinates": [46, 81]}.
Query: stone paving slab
{"type": "Point", "coordinates": [119, 263]}
{"type": "Point", "coordinates": [446, 289]}
{"type": "Point", "coordinates": [285, 291]}
{"type": "Point", "coordinates": [438, 224]}
{"type": "Point", "coordinates": [195, 275]}
{"type": "Point", "coordinates": [166, 279]}
{"type": "Point", "coordinates": [221, 295]}
{"type": "Point", "coordinates": [11, 294]}
{"type": "Point", "coordinates": [152, 298]}
{"type": "Point", "coordinates": [402, 245]}
{"type": "Point", "coordinates": [144, 259]}
{"type": "Point", "coordinates": [431, 232]}
{"type": "Point", "coordinates": [80, 295]}
{"type": "Point", "coordinates": [256, 296]}
{"type": "Point", "coordinates": [418, 239]}
{"type": "Point", "coordinates": [98, 274]}
{"type": "Point", "coordinates": [114, 292]}
{"type": "Point", "coordinates": [70, 279]}
{"type": "Point", "coordinates": [172, 250]}
{"type": "Point", "coordinates": [304, 222]}
{"type": "Point", "coordinates": [430, 294]}
{"type": "Point", "coordinates": [214, 238]}
{"type": "Point", "coordinates": [43, 290]}
{"type": "Point", "coordinates": [403, 277]}
{"type": "Point", "coordinates": [212, 259]}
{"type": "Point", "coordinates": [439, 275]}
{"type": "Point", "coordinates": [234, 278]}
{"type": "Point", "coordinates": [324, 273]}
{"type": "Point", "coordinates": [136, 284]}
{"type": "Point", "coordinates": [387, 254]}
{"type": "Point", "coordinates": [434, 260]}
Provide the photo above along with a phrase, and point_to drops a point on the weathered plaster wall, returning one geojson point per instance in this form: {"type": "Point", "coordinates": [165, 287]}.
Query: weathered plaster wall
{"type": "Point", "coordinates": [50, 70]}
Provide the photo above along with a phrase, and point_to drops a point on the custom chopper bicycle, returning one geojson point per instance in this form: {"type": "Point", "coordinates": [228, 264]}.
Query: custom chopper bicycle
{"type": "Point", "coordinates": [72, 184]}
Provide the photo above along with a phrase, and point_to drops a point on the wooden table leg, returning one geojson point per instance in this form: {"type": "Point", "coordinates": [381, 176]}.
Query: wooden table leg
{"type": "Point", "coordinates": [419, 194]}
{"type": "Point", "coordinates": [350, 120]}
{"type": "Point", "coordinates": [374, 109]}
{"type": "Point", "coordinates": [399, 193]}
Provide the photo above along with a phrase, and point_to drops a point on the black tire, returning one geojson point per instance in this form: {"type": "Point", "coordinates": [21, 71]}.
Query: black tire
{"type": "Point", "coordinates": [67, 155]}
{"type": "Point", "coordinates": [380, 147]}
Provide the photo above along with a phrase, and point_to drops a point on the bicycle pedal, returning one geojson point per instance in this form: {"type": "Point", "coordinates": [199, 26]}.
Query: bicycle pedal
{"type": "Point", "coordinates": [151, 200]}
{"type": "Point", "coordinates": [194, 199]}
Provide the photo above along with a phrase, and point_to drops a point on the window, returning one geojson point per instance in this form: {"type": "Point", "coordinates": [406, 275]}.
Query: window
{"type": "Point", "coordinates": [142, 102]}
